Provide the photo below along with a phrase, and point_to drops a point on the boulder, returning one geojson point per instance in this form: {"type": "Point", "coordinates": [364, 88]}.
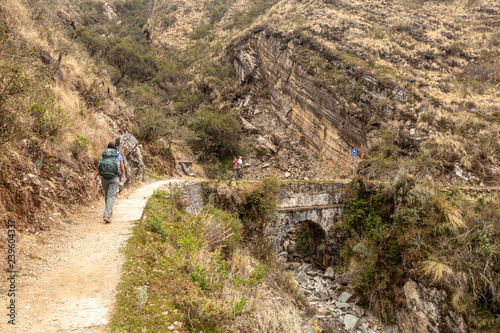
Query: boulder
{"type": "Point", "coordinates": [131, 151]}
{"type": "Point", "coordinates": [248, 127]}
{"type": "Point", "coordinates": [424, 310]}
{"type": "Point", "coordinates": [391, 329]}
{"type": "Point", "coordinates": [302, 278]}
{"type": "Point", "coordinates": [304, 267]}
{"type": "Point", "coordinates": [351, 322]}
{"type": "Point", "coordinates": [329, 273]}
{"type": "Point", "coordinates": [320, 290]}
{"type": "Point", "coordinates": [342, 305]}
{"type": "Point", "coordinates": [345, 297]}
{"type": "Point", "coordinates": [365, 329]}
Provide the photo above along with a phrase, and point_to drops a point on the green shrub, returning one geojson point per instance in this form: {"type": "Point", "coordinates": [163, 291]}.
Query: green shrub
{"type": "Point", "coordinates": [133, 15]}
{"type": "Point", "coordinates": [257, 275]}
{"type": "Point", "coordinates": [216, 134]}
{"type": "Point", "coordinates": [202, 30]}
{"type": "Point", "coordinates": [217, 10]}
{"type": "Point", "coordinates": [257, 8]}
{"type": "Point", "coordinates": [169, 21]}
{"type": "Point", "coordinates": [157, 225]}
{"type": "Point", "coordinates": [48, 123]}
{"type": "Point", "coordinates": [213, 277]}
{"type": "Point", "coordinates": [3, 31]}
{"type": "Point", "coordinates": [93, 42]}
{"type": "Point", "coordinates": [215, 171]}
{"type": "Point", "coordinates": [13, 83]}
{"type": "Point", "coordinates": [261, 201]}
{"type": "Point", "coordinates": [152, 124]}
{"type": "Point", "coordinates": [302, 240]}
{"type": "Point", "coordinates": [80, 145]}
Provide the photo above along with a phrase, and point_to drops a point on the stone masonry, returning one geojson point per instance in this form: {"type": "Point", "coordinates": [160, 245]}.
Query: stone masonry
{"type": "Point", "coordinates": [318, 202]}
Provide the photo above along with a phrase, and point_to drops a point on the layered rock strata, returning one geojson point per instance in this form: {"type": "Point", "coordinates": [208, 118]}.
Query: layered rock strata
{"type": "Point", "coordinates": [308, 111]}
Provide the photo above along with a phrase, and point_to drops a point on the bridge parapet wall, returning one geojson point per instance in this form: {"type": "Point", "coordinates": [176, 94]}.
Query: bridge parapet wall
{"type": "Point", "coordinates": [311, 194]}
{"type": "Point", "coordinates": [319, 202]}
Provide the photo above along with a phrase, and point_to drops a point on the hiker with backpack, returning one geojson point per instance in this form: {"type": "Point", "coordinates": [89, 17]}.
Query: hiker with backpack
{"type": "Point", "coordinates": [111, 169]}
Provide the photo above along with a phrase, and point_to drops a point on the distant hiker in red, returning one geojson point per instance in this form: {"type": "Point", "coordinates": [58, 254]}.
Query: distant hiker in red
{"type": "Point", "coordinates": [111, 169]}
{"type": "Point", "coordinates": [237, 165]}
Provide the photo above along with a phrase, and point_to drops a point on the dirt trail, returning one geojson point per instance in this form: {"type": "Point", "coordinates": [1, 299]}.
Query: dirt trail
{"type": "Point", "coordinates": [69, 279]}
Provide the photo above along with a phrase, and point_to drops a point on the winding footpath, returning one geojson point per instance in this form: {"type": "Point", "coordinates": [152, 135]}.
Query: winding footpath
{"type": "Point", "coordinates": [69, 285]}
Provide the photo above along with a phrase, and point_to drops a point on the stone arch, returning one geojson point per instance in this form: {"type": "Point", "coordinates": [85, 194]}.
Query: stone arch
{"type": "Point", "coordinates": [307, 239]}
{"type": "Point", "coordinates": [323, 217]}
{"type": "Point", "coordinates": [287, 219]}
{"type": "Point", "coordinates": [316, 237]}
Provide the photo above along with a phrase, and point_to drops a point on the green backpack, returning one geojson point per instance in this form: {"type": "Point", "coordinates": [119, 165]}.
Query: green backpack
{"type": "Point", "coordinates": [108, 166]}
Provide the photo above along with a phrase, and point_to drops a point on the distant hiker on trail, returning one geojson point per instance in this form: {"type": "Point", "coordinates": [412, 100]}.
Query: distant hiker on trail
{"type": "Point", "coordinates": [237, 163]}
{"type": "Point", "coordinates": [111, 169]}
{"type": "Point", "coordinates": [117, 144]}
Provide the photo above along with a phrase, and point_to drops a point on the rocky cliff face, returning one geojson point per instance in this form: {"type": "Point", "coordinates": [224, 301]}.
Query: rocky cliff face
{"type": "Point", "coordinates": [302, 108]}
{"type": "Point", "coordinates": [424, 310]}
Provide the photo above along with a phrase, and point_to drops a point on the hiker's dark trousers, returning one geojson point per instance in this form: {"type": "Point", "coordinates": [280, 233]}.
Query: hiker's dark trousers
{"type": "Point", "coordinates": [237, 173]}
{"type": "Point", "coordinates": [110, 187]}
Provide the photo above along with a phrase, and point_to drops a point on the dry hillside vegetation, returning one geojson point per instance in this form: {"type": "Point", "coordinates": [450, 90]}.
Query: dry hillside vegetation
{"type": "Point", "coordinates": [428, 70]}
{"type": "Point", "coordinates": [57, 112]}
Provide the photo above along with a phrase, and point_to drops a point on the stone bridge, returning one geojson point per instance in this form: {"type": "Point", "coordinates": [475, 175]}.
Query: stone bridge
{"type": "Point", "coordinates": [321, 203]}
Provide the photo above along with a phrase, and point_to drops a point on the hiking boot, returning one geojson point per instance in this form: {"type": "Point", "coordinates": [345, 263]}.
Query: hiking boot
{"type": "Point", "coordinates": [107, 219]}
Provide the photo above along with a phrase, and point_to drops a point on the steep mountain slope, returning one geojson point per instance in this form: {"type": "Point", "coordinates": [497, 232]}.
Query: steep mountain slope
{"type": "Point", "coordinates": [333, 74]}
{"type": "Point", "coordinates": [414, 85]}
{"type": "Point", "coordinates": [57, 112]}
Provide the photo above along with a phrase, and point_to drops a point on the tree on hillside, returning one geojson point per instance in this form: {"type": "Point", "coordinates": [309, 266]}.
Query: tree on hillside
{"type": "Point", "coordinates": [123, 56]}
{"type": "Point", "coordinates": [216, 133]}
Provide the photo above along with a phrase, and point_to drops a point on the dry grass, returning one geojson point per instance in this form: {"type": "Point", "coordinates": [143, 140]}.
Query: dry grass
{"type": "Point", "coordinates": [78, 71]}
{"type": "Point", "coordinates": [437, 272]}
{"type": "Point", "coordinates": [265, 307]}
{"type": "Point", "coordinates": [215, 232]}
{"type": "Point", "coordinates": [274, 316]}
{"type": "Point", "coordinates": [453, 217]}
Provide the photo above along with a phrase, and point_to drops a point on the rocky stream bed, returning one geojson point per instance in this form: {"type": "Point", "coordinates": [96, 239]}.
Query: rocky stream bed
{"type": "Point", "coordinates": [336, 304]}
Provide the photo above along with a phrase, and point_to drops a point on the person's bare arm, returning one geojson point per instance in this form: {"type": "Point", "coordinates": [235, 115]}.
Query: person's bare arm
{"type": "Point", "coordinates": [95, 177]}
{"type": "Point", "coordinates": [122, 168]}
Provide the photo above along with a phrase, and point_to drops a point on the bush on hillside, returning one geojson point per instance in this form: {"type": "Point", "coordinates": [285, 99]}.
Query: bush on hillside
{"type": "Point", "coordinates": [13, 83]}
{"type": "Point", "coordinates": [261, 201]}
{"type": "Point", "coordinates": [216, 134]}
{"type": "Point", "coordinates": [152, 124]}
{"type": "Point", "coordinates": [80, 145]}
{"type": "Point", "coordinates": [258, 7]}
{"type": "Point", "coordinates": [93, 42]}
{"type": "Point", "coordinates": [126, 57]}
{"type": "Point", "coordinates": [48, 122]}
